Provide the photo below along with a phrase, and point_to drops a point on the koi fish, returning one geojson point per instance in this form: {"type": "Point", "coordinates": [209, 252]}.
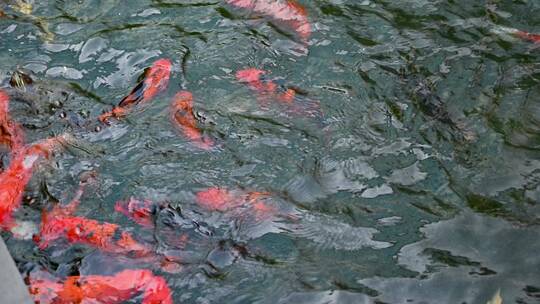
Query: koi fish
{"type": "Point", "coordinates": [15, 178]}
{"type": "Point", "coordinates": [288, 13]}
{"type": "Point", "coordinates": [254, 79]}
{"type": "Point", "coordinates": [60, 223]}
{"type": "Point", "coordinates": [118, 288]}
{"type": "Point", "coordinates": [10, 132]}
{"type": "Point", "coordinates": [220, 199]}
{"type": "Point", "coordinates": [156, 80]}
{"type": "Point", "coordinates": [141, 212]}
{"type": "Point", "coordinates": [535, 38]}
{"type": "Point", "coordinates": [503, 30]}
{"type": "Point", "coordinates": [184, 120]}
{"type": "Point", "coordinates": [268, 90]}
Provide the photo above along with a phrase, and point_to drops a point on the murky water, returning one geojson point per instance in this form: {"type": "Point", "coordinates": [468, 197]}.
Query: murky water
{"type": "Point", "coordinates": [415, 179]}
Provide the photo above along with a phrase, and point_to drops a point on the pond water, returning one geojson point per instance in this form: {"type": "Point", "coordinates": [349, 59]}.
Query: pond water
{"type": "Point", "coordinates": [388, 154]}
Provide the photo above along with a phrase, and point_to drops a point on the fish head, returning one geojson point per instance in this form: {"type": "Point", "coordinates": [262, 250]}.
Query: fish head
{"type": "Point", "coordinates": [157, 78]}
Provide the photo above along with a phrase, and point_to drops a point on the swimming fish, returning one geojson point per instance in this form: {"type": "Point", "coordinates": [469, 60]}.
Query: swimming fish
{"type": "Point", "coordinates": [287, 13]}
{"type": "Point", "coordinates": [535, 38]}
{"type": "Point", "coordinates": [118, 288]}
{"type": "Point", "coordinates": [11, 133]}
{"type": "Point", "coordinates": [141, 212]}
{"type": "Point", "coordinates": [265, 88]}
{"type": "Point", "coordinates": [503, 30]}
{"type": "Point", "coordinates": [15, 178]}
{"type": "Point", "coordinates": [59, 223]}
{"type": "Point", "coordinates": [221, 199]}
{"type": "Point", "coordinates": [269, 91]}
{"type": "Point", "coordinates": [183, 119]}
{"type": "Point", "coordinates": [156, 80]}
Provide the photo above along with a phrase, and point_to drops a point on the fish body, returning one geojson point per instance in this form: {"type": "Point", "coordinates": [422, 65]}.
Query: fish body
{"type": "Point", "coordinates": [269, 91]}
{"type": "Point", "coordinates": [156, 80]}
{"type": "Point", "coordinates": [15, 178]}
{"type": "Point", "coordinates": [534, 38]}
{"type": "Point", "coordinates": [61, 224]}
{"type": "Point", "coordinates": [509, 31]}
{"type": "Point", "coordinates": [117, 288]}
{"type": "Point", "coordinates": [141, 212]}
{"type": "Point", "coordinates": [287, 13]}
{"type": "Point", "coordinates": [11, 133]}
{"type": "Point", "coordinates": [184, 120]}
{"type": "Point", "coordinates": [221, 199]}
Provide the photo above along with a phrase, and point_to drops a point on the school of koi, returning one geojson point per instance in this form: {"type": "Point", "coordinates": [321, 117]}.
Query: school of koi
{"type": "Point", "coordinates": [60, 223]}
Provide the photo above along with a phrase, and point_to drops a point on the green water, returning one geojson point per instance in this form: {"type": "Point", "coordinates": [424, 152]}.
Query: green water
{"type": "Point", "coordinates": [420, 183]}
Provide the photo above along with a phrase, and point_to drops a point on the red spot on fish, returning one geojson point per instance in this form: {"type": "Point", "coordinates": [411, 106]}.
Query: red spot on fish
{"type": "Point", "coordinates": [155, 81]}
{"type": "Point", "coordinates": [15, 178]}
{"type": "Point", "coordinates": [288, 13]}
{"type": "Point", "coordinates": [117, 288]}
{"type": "Point", "coordinates": [141, 212]}
{"type": "Point", "coordinates": [184, 120]}
{"type": "Point", "coordinates": [535, 38]}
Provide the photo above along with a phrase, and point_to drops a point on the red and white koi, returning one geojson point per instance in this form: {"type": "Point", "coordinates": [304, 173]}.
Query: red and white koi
{"type": "Point", "coordinates": [269, 91]}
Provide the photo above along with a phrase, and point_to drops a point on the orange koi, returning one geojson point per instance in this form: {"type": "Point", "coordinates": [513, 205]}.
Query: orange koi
{"type": "Point", "coordinates": [254, 79]}
{"type": "Point", "coordinates": [156, 80]}
{"type": "Point", "coordinates": [15, 178]}
{"type": "Point", "coordinates": [141, 212]}
{"type": "Point", "coordinates": [118, 288]}
{"type": "Point", "coordinates": [60, 223]}
{"type": "Point", "coordinates": [10, 132]}
{"type": "Point", "coordinates": [268, 90]}
{"type": "Point", "coordinates": [289, 13]}
{"type": "Point", "coordinates": [220, 199]}
{"type": "Point", "coordinates": [184, 120]}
